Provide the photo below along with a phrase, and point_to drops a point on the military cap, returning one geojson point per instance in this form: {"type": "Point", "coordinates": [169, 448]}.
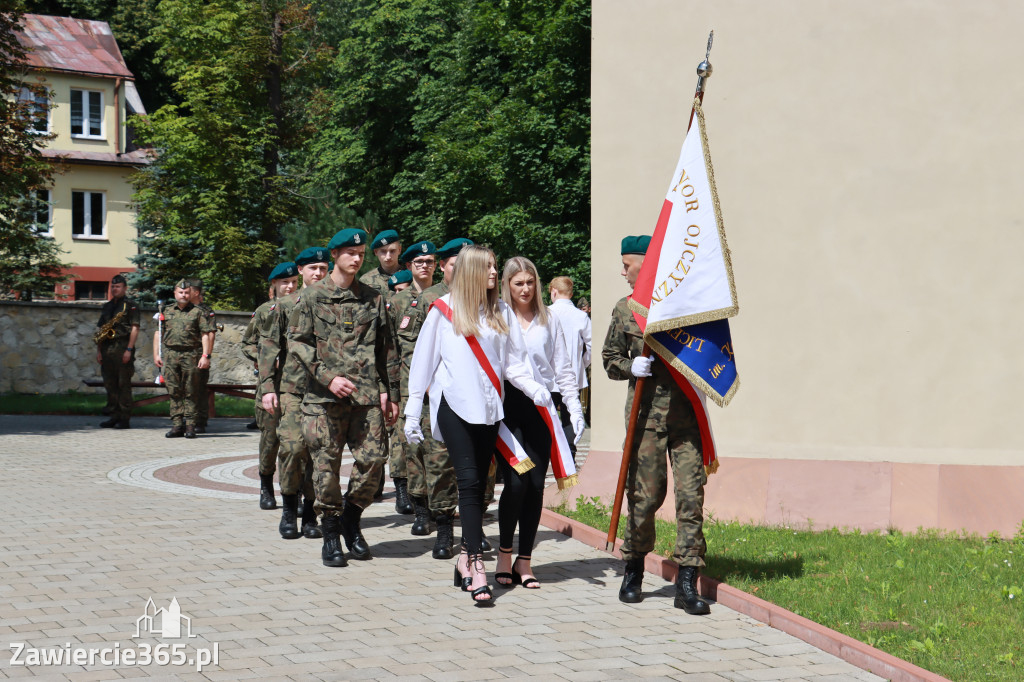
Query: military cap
{"type": "Point", "coordinates": [637, 244]}
{"type": "Point", "coordinates": [384, 238]}
{"type": "Point", "coordinates": [350, 236]}
{"type": "Point", "coordinates": [314, 254]}
{"type": "Point", "coordinates": [283, 270]}
{"type": "Point", "coordinates": [400, 277]}
{"type": "Point", "coordinates": [423, 248]}
{"type": "Point", "coordinates": [118, 279]}
{"type": "Point", "coordinates": [452, 248]}
{"type": "Point", "coordinates": [183, 284]}
{"type": "Point", "coordinates": [195, 283]}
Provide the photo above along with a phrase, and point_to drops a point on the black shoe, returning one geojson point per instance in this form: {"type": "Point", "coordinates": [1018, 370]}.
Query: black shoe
{"type": "Point", "coordinates": [252, 426]}
{"type": "Point", "coordinates": [403, 505]}
{"type": "Point", "coordinates": [190, 431]}
{"type": "Point", "coordinates": [309, 527]}
{"type": "Point", "coordinates": [631, 591]}
{"type": "Point", "coordinates": [420, 524]}
{"type": "Point", "coordinates": [289, 527]}
{"type": "Point", "coordinates": [200, 428]}
{"type": "Point", "coordinates": [485, 544]}
{"type": "Point", "coordinates": [354, 539]}
{"type": "Point", "coordinates": [122, 424]}
{"type": "Point", "coordinates": [687, 597]}
{"type": "Point", "coordinates": [267, 500]}
{"type": "Point", "coordinates": [109, 424]}
{"type": "Point", "coordinates": [379, 495]}
{"type": "Point", "coordinates": [175, 432]}
{"type": "Point", "coordinates": [445, 538]}
{"type": "Point", "coordinates": [331, 554]}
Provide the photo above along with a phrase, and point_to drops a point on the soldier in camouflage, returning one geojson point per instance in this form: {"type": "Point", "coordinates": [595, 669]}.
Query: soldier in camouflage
{"type": "Point", "coordinates": [666, 429]}
{"type": "Point", "coordinates": [115, 352]}
{"type": "Point", "coordinates": [295, 465]}
{"type": "Point", "coordinates": [209, 324]}
{"type": "Point", "coordinates": [283, 279]}
{"type": "Point", "coordinates": [183, 350]}
{"type": "Point", "coordinates": [385, 246]}
{"type": "Point", "coordinates": [341, 334]}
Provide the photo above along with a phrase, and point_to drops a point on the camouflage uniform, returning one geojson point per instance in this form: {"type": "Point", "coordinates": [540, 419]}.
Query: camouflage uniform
{"type": "Point", "coordinates": [261, 325]}
{"type": "Point", "coordinates": [117, 376]}
{"type": "Point", "coordinates": [378, 279]}
{"type": "Point", "coordinates": [666, 424]}
{"type": "Point", "coordinates": [208, 324]}
{"type": "Point", "coordinates": [181, 345]}
{"type": "Point", "coordinates": [344, 332]}
{"type": "Point", "coordinates": [431, 475]}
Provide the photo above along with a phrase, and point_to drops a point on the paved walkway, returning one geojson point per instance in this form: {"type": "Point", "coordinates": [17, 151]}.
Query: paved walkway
{"type": "Point", "coordinates": [100, 521]}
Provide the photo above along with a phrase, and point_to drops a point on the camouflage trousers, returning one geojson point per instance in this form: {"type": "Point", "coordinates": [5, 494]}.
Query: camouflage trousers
{"type": "Point", "coordinates": [431, 474]}
{"type": "Point", "coordinates": [647, 486]}
{"type": "Point", "coordinates": [117, 378]}
{"type": "Point", "coordinates": [270, 445]}
{"type": "Point", "coordinates": [180, 378]}
{"type": "Point", "coordinates": [328, 428]}
{"type": "Point", "coordinates": [397, 467]}
{"type": "Point", "coordinates": [295, 466]}
{"type": "Point", "coordinates": [202, 397]}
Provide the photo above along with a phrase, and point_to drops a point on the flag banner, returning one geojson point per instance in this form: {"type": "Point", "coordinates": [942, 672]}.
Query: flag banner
{"type": "Point", "coordinates": [703, 354]}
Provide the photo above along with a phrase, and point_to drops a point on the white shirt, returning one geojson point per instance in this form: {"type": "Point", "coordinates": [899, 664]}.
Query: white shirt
{"type": "Point", "coordinates": [444, 364]}
{"type": "Point", "coordinates": [545, 348]}
{"type": "Point", "coordinates": [576, 330]}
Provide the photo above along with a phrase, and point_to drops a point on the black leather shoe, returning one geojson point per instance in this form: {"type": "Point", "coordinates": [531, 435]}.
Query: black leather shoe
{"type": "Point", "coordinates": [309, 527]}
{"type": "Point", "coordinates": [267, 500]}
{"type": "Point", "coordinates": [445, 538]}
{"type": "Point", "coordinates": [687, 597]}
{"type": "Point", "coordinates": [122, 424]}
{"type": "Point", "coordinates": [175, 432]}
{"type": "Point", "coordinates": [632, 591]}
{"type": "Point", "coordinates": [354, 539]}
{"type": "Point", "coordinates": [403, 505]}
{"type": "Point", "coordinates": [190, 431]}
{"type": "Point", "coordinates": [485, 544]}
{"type": "Point", "coordinates": [109, 423]}
{"type": "Point", "coordinates": [421, 524]}
{"type": "Point", "coordinates": [289, 526]}
{"type": "Point", "coordinates": [331, 553]}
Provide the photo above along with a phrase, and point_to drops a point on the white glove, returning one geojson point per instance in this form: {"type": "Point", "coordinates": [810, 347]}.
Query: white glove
{"type": "Point", "coordinates": [578, 424]}
{"type": "Point", "coordinates": [641, 366]}
{"type": "Point", "coordinates": [543, 398]}
{"type": "Point", "coordinates": [413, 432]}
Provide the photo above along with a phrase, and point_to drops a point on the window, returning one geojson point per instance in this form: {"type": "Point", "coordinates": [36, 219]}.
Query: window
{"type": "Point", "coordinates": [90, 291]}
{"type": "Point", "coordinates": [42, 212]}
{"type": "Point", "coordinates": [87, 215]}
{"type": "Point", "coordinates": [38, 107]}
{"type": "Point", "coordinates": [87, 113]}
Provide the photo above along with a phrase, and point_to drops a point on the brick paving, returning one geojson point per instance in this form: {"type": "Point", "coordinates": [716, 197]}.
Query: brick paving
{"type": "Point", "coordinates": [99, 521]}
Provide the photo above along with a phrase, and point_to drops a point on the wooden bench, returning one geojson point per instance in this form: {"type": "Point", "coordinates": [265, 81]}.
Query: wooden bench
{"type": "Point", "coordinates": [237, 390]}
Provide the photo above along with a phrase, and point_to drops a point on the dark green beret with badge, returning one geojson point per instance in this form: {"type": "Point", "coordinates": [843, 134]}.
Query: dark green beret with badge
{"type": "Point", "coordinates": [183, 284]}
{"type": "Point", "coordinates": [452, 248]}
{"type": "Point", "coordinates": [637, 244]}
{"type": "Point", "coordinates": [384, 238]}
{"type": "Point", "coordinates": [283, 270]}
{"type": "Point", "coordinates": [350, 236]}
{"type": "Point", "coordinates": [314, 254]}
{"type": "Point", "coordinates": [400, 277]}
{"type": "Point", "coordinates": [423, 248]}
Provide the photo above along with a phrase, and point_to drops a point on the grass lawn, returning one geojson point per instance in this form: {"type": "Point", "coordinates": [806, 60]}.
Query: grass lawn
{"type": "Point", "coordinates": [949, 603]}
{"type": "Point", "coordinates": [74, 402]}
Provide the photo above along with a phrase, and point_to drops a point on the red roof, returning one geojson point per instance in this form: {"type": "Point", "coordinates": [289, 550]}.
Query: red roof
{"type": "Point", "coordinates": [138, 157]}
{"type": "Point", "coordinates": [66, 44]}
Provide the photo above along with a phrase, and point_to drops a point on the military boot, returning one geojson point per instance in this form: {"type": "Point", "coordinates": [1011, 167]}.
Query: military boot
{"type": "Point", "coordinates": [631, 591]}
{"type": "Point", "coordinates": [177, 431]}
{"type": "Point", "coordinates": [267, 500]}
{"type": "Point", "coordinates": [420, 524]}
{"type": "Point", "coordinates": [123, 424]}
{"type": "Point", "coordinates": [289, 527]}
{"type": "Point", "coordinates": [687, 597]}
{"type": "Point", "coordinates": [309, 527]}
{"type": "Point", "coordinates": [190, 431]}
{"type": "Point", "coordinates": [350, 530]}
{"type": "Point", "coordinates": [402, 503]}
{"type": "Point", "coordinates": [332, 554]}
{"type": "Point", "coordinates": [445, 537]}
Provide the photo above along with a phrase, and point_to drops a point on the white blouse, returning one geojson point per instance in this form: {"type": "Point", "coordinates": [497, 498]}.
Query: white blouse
{"type": "Point", "coordinates": [444, 364]}
{"type": "Point", "coordinates": [545, 347]}
{"type": "Point", "coordinates": [576, 330]}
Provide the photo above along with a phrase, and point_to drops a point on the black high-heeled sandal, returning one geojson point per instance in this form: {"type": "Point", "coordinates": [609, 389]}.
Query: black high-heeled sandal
{"type": "Point", "coordinates": [504, 575]}
{"type": "Point", "coordinates": [460, 580]}
{"type": "Point", "coordinates": [480, 591]}
{"type": "Point", "coordinates": [530, 583]}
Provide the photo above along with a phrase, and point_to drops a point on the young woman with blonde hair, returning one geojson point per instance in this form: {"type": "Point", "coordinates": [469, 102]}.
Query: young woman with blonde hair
{"type": "Point", "coordinates": [469, 345]}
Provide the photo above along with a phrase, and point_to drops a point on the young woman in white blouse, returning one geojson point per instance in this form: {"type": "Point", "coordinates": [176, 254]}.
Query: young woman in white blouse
{"type": "Point", "coordinates": [523, 495]}
{"type": "Point", "coordinates": [469, 345]}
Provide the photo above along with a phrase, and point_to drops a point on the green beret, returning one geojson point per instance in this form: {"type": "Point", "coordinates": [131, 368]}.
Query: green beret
{"type": "Point", "coordinates": [196, 283]}
{"type": "Point", "coordinates": [350, 236]}
{"type": "Point", "coordinates": [384, 238]}
{"type": "Point", "coordinates": [423, 248]}
{"type": "Point", "coordinates": [452, 247]}
{"type": "Point", "coordinates": [637, 245]}
{"type": "Point", "coordinates": [283, 270]}
{"type": "Point", "coordinates": [400, 277]}
{"type": "Point", "coordinates": [314, 254]}
{"type": "Point", "coordinates": [183, 284]}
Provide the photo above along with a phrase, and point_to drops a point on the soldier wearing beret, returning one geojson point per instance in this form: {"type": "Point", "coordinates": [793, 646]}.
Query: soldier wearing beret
{"type": "Point", "coordinates": [209, 325]}
{"type": "Point", "coordinates": [115, 352]}
{"type": "Point", "coordinates": [668, 434]}
{"type": "Point", "coordinates": [283, 280]}
{"type": "Point", "coordinates": [186, 350]}
{"type": "Point", "coordinates": [295, 465]}
{"type": "Point", "coordinates": [399, 282]}
{"type": "Point", "coordinates": [385, 246]}
{"type": "Point", "coordinates": [341, 335]}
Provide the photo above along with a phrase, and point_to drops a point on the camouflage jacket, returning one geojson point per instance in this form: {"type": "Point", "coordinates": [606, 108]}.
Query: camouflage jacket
{"type": "Point", "coordinates": [344, 332]}
{"type": "Point", "coordinates": [183, 328]}
{"type": "Point", "coordinates": [433, 293]}
{"type": "Point", "coordinates": [273, 351]}
{"type": "Point", "coordinates": [208, 321]}
{"type": "Point", "coordinates": [662, 396]}
{"type": "Point", "coordinates": [377, 279]}
{"type": "Point", "coordinates": [407, 313]}
{"type": "Point", "coordinates": [262, 324]}
{"type": "Point", "coordinates": [123, 329]}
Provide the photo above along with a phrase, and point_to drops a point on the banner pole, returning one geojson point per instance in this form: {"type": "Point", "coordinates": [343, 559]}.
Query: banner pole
{"type": "Point", "coordinates": [703, 73]}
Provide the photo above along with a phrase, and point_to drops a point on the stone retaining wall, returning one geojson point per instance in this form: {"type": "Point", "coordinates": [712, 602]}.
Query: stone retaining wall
{"type": "Point", "coordinates": [47, 347]}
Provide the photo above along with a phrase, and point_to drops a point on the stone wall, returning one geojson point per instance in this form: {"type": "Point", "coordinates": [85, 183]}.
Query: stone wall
{"type": "Point", "coordinates": [47, 347]}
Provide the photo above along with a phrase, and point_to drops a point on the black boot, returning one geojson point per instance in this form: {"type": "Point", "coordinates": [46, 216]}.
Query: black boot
{"type": "Point", "coordinates": [421, 524]}
{"type": "Point", "coordinates": [402, 503]}
{"type": "Point", "coordinates": [485, 544]}
{"type": "Point", "coordinates": [445, 537]}
{"type": "Point", "coordinates": [687, 597]}
{"type": "Point", "coordinates": [122, 424]}
{"type": "Point", "coordinates": [190, 431]}
{"type": "Point", "coordinates": [267, 500]}
{"type": "Point", "coordinates": [353, 535]}
{"type": "Point", "coordinates": [309, 527]}
{"type": "Point", "coordinates": [632, 591]}
{"type": "Point", "coordinates": [177, 431]}
{"type": "Point", "coordinates": [289, 527]}
{"type": "Point", "coordinates": [109, 423]}
{"type": "Point", "coordinates": [331, 554]}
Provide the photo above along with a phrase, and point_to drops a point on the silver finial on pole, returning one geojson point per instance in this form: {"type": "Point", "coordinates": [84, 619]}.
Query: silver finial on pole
{"type": "Point", "coordinates": [704, 68]}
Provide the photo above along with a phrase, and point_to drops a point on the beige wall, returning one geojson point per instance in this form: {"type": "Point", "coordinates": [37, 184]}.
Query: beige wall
{"type": "Point", "coordinates": [868, 160]}
{"type": "Point", "coordinates": [60, 114]}
{"type": "Point", "coordinates": [119, 245]}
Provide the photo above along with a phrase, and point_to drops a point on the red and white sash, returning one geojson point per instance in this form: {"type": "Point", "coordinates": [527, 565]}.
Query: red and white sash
{"type": "Point", "coordinates": [508, 447]}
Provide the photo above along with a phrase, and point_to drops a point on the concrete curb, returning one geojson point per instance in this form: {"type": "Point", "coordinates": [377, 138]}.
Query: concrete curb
{"type": "Point", "coordinates": [850, 650]}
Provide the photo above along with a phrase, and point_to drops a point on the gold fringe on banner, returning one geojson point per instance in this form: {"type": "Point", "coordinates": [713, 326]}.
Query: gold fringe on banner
{"type": "Point", "coordinates": [568, 481]}
{"type": "Point", "coordinates": [524, 466]}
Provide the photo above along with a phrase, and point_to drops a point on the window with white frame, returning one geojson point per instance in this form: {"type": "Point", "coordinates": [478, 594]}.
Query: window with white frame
{"type": "Point", "coordinates": [88, 213]}
{"type": "Point", "coordinates": [87, 113]}
{"type": "Point", "coordinates": [38, 106]}
{"type": "Point", "coordinates": [41, 212]}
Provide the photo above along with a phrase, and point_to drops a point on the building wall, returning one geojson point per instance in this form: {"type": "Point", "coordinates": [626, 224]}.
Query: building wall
{"type": "Point", "coordinates": [60, 114]}
{"type": "Point", "coordinates": [118, 244]}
